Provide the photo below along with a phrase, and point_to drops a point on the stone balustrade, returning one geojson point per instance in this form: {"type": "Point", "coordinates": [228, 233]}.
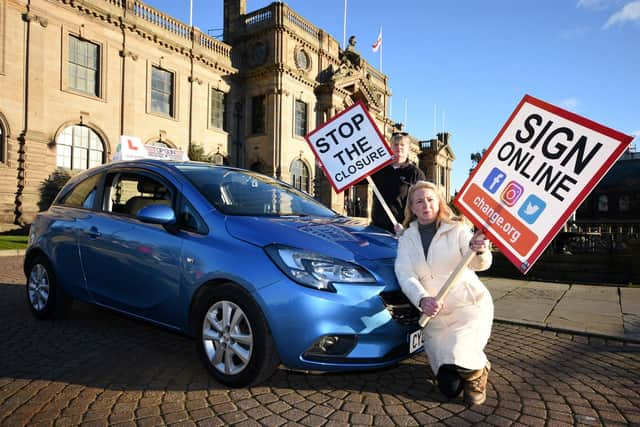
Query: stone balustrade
{"type": "Point", "coordinates": [270, 14]}
{"type": "Point", "coordinates": [163, 23]}
{"type": "Point", "coordinates": [161, 20]}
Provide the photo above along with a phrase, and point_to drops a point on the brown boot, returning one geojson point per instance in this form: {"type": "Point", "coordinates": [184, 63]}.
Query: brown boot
{"type": "Point", "coordinates": [475, 385]}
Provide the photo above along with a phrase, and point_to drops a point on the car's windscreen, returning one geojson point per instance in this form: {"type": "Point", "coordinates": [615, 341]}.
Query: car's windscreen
{"type": "Point", "coordinates": [238, 192]}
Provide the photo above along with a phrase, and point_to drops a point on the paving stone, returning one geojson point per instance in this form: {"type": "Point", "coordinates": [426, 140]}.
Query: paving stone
{"type": "Point", "coordinates": [152, 377]}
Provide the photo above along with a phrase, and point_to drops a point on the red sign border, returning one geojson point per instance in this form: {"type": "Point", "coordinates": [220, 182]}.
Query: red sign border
{"type": "Point", "coordinates": [336, 117]}
{"type": "Point", "coordinates": [624, 140]}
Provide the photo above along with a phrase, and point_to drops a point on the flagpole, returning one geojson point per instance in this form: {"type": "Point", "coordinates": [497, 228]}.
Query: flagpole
{"type": "Point", "coordinates": [405, 113]}
{"type": "Point", "coordinates": [381, 47]}
{"type": "Point", "coordinates": [344, 27]}
{"type": "Point", "coordinates": [191, 13]}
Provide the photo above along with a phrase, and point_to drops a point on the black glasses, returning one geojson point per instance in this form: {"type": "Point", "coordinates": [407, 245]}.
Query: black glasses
{"type": "Point", "coordinates": [400, 134]}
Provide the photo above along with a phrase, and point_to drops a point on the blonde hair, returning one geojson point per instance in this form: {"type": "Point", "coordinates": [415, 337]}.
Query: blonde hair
{"type": "Point", "coordinates": [445, 214]}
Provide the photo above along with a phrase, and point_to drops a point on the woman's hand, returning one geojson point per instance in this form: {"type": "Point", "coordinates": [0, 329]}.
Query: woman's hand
{"type": "Point", "coordinates": [430, 306]}
{"type": "Point", "coordinates": [398, 228]}
{"type": "Point", "coordinates": [479, 242]}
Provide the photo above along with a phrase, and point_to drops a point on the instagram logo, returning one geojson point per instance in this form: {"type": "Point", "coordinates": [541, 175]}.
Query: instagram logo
{"type": "Point", "coordinates": [511, 193]}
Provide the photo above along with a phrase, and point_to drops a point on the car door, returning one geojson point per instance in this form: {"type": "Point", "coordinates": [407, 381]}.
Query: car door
{"type": "Point", "coordinates": [130, 265]}
{"type": "Point", "coordinates": [66, 219]}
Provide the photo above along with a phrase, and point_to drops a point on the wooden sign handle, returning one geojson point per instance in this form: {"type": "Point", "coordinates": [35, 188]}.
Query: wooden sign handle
{"type": "Point", "coordinates": [382, 201]}
{"type": "Point", "coordinates": [451, 282]}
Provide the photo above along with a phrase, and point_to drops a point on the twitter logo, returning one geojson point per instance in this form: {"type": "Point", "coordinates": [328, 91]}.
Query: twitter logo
{"type": "Point", "coordinates": [531, 209]}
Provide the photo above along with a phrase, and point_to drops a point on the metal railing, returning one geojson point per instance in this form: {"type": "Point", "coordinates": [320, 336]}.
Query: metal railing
{"type": "Point", "coordinates": [604, 239]}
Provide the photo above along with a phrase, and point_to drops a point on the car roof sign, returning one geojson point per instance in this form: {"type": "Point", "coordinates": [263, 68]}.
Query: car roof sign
{"type": "Point", "coordinates": [132, 148]}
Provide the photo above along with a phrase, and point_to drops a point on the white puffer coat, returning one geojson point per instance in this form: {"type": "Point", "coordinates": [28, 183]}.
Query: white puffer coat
{"type": "Point", "coordinates": [460, 331]}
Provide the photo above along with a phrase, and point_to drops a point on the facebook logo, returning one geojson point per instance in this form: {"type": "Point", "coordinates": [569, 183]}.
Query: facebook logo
{"type": "Point", "coordinates": [531, 209]}
{"type": "Point", "coordinates": [494, 180]}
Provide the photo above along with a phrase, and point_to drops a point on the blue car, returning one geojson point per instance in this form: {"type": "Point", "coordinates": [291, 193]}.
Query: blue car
{"type": "Point", "coordinates": [256, 271]}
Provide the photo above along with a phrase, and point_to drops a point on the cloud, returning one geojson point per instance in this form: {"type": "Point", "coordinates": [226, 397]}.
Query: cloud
{"type": "Point", "coordinates": [629, 13]}
{"type": "Point", "coordinates": [571, 103]}
{"type": "Point", "coordinates": [595, 4]}
{"type": "Point", "coordinates": [636, 133]}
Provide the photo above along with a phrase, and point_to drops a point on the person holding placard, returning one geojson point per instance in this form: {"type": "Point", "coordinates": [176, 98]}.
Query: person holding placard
{"type": "Point", "coordinates": [393, 182]}
{"type": "Point", "coordinates": [429, 249]}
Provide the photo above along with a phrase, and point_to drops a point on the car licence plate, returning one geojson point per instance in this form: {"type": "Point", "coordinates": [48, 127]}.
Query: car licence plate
{"type": "Point", "coordinates": [416, 341]}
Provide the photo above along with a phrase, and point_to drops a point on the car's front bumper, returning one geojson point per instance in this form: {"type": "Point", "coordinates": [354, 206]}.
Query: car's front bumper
{"type": "Point", "coordinates": [300, 316]}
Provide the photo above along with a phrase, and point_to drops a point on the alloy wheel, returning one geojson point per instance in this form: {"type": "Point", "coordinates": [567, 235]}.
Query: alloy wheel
{"type": "Point", "coordinates": [227, 338]}
{"type": "Point", "coordinates": [38, 287]}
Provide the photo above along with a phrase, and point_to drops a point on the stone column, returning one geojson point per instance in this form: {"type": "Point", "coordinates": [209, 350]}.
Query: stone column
{"type": "Point", "coordinates": [36, 152]}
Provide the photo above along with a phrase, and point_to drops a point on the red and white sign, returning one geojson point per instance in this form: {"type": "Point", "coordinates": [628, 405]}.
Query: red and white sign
{"type": "Point", "coordinates": [132, 148]}
{"type": "Point", "coordinates": [538, 170]}
{"type": "Point", "coordinates": [349, 147]}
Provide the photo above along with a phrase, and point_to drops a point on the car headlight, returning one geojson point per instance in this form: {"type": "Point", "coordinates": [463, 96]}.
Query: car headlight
{"type": "Point", "coordinates": [315, 270]}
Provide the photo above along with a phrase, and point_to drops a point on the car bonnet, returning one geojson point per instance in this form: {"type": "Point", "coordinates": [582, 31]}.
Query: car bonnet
{"type": "Point", "coordinates": [340, 237]}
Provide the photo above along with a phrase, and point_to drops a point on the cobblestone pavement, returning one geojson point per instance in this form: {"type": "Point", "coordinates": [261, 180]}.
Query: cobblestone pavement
{"type": "Point", "coordinates": [100, 368]}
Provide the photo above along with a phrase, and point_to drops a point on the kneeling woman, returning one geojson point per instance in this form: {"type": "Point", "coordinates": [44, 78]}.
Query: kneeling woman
{"type": "Point", "coordinates": [428, 252]}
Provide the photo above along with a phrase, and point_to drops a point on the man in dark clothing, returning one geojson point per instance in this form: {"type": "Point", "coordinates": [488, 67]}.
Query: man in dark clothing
{"type": "Point", "coordinates": [393, 182]}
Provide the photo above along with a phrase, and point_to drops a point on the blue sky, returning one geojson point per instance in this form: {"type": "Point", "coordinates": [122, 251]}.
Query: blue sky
{"type": "Point", "coordinates": [471, 62]}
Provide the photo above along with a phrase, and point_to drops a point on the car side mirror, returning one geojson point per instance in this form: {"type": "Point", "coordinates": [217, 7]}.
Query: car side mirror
{"type": "Point", "coordinates": [158, 214]}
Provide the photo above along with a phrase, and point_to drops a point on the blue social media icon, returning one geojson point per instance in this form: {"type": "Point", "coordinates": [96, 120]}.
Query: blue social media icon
{"type": "Point", "coordinates": [531, 209]}
{"type": "Point", "coordinates": [494, 180]}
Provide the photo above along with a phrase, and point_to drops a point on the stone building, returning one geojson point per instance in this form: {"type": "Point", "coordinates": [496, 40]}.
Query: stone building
{"type": "Point", "coordinates": [77, 75]}
{"type": "Point", "coordinates": [614, 204]}
{"type": "Point", "coordinates": [435, 159]}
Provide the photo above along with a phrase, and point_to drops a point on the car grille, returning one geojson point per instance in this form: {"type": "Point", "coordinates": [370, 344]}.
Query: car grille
{"type": "Point", "coordinates": [400, 307]}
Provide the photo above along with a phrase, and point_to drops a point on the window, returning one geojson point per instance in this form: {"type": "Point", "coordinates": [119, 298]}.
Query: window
{"type": "Point", "coordinates": [128, 193]}
{"type": "Point", "coordinates": [84, 66]}
{"type": "Point", "coordinates": [216, 109]}
{"type": "Point", "coordinates": [159, 144]}
{"type": "Point", "coordinates": [257, 114]}
{"type": "Point", "coordinates": [603, 203]}
{"type": "Point", "coordinates": [218, 159]}
{"type": "Point", "coordinates": [161, 91]}
{"type": "Point", "coordinates": [300, 175]}
{"type": "Point", "coordinates": [624, 203]}
{"type": "Point", "coordinates": [84, 194]}
{"type": "Point", "coordinates": [79, 147]}
{"type": "Point", "coordinates": [2, 145]}
{"type": "Point", "coordinates": [301, 118]}
{"type": "Point", "coordinates": [443, 176]}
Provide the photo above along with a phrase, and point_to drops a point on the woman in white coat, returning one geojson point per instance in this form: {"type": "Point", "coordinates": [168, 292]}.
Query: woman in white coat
{"type": "Point", "coordinates": [429, 249]}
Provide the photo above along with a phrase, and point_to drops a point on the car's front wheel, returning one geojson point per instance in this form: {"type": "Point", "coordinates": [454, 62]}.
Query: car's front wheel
{"type": "Point", "coordinates": [46, 298]}
{"type": "Point", "coordinates": [234, 340]}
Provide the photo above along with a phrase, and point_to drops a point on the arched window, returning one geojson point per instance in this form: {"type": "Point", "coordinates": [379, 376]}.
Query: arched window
{"type": "Point", "coordinates": [160, 144]}
{"type": "Point", "coordinates": [300, 175]}
{"type": "Point", "coordinates": [3, 145]}
{"type": "Point", "coordinates": [218, 159]}
{"type": "Point", "coordinates": [79, 147]}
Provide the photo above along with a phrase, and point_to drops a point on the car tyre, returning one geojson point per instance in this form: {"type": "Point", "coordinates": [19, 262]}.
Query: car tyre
{"type": "Point", "coordinates": [233, 338]}
{"type": "Point", "coordinates": [46, 298]}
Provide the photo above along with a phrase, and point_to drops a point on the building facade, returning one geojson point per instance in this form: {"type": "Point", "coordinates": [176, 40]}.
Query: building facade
{"type": "Point", "coordinates": [614, 204]}
{"type": "Point", "coordinates": [77, 75]}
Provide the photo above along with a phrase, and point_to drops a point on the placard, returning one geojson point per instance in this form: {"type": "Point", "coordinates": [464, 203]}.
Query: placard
{"type": "Point", "coordinates": [536, 173]}
{"type": "Point", "coordinates": [349, 147]}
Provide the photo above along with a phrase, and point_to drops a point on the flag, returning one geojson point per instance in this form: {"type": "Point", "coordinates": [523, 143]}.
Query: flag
{"type": "Point", "coordinates": [378, 42]}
